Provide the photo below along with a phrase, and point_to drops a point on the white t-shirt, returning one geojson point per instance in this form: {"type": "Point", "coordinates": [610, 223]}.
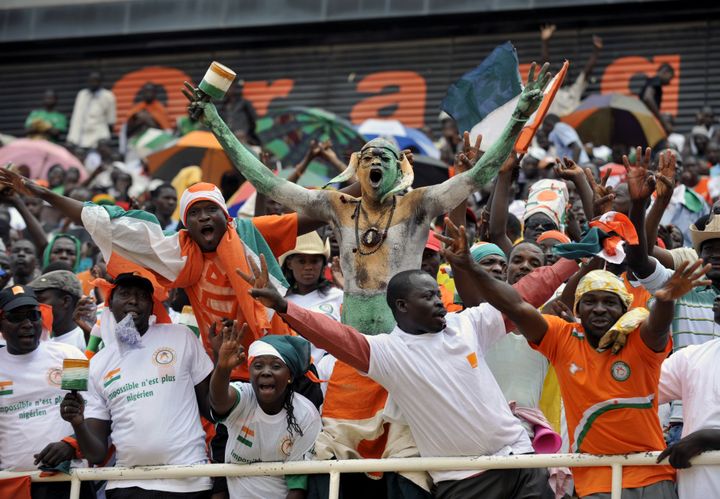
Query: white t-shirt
{"type": "Point", "coordinates": [443, 388]}
{"type": "Point", "coordinates": [76, 338]}
{"type": "Point", "coordinates": [693, 375]}
{"type": "Point", "coordinates": [328, 304]}
{"type": "Point", "coordinates": [30, 397]}
{"type": "Point", "coordinates": [254, 436]}
{"type": "Point", "coordinates": [148, 394]}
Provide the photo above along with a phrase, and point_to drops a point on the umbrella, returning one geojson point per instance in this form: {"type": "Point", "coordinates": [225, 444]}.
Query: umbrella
{"type": "Point", "coordinates": [39, 156]}
{"type": "Point", "coordinates": [428, 171]}
{"type": "Point", "coordinates": [405, 137]}
{"type": "Point", "coordinates": [615, 119]}
{"type": "Point", "coordinates": [196, 148]}
{"type": "Point", "coordinates": [287, 133]}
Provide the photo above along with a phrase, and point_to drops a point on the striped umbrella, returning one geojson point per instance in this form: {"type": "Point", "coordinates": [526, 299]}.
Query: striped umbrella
{"type": "Point", "coordinates": [615, 119]}
{"type": "Point", "coordinates": [196, 148]}
{"type": "Point", "coordinates": [405, 137]}
{"type": "Point", "coordinates": [288, 133]}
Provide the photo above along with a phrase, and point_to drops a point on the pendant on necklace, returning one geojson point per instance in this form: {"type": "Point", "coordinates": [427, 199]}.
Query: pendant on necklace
{"type": "Point", "coordinates": [371, 237]}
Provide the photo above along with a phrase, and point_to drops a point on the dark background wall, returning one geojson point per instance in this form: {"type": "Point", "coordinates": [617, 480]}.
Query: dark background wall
{"type": "Point", "coordinates": [344, 66]}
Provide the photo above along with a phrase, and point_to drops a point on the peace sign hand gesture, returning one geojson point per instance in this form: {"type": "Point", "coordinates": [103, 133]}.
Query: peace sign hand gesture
{"type": "Point", "coordinates": [262, 289]}
{"type": "Point", "coordinates": [640, 181]}
{"type": "Point", "coordinates": [232, 352]}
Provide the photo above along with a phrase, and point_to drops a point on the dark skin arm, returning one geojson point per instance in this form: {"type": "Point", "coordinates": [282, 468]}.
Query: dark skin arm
{"type": "Point", "coordinates": [664, 189]}
{"type": "Point", "coordinates": [67, 206]}
{"type": "Point", "coordinates": [641, 184]}
{"type": "Point", "coordinates": [571, 172]}
{"type": "Point", "coordinates": [592, 60]}
{"type": "Point", "coordinates": [679, 454]}
{"type": "Point", "coordinates": [37, 234]}
{"type": "Point", "coordinates": [499, 294]}
{"type": "Point", "coordinates": [230, 355]}
{"type": "Point", "coordinates": [91, 434]}
{"type": "Point", "coordinates": [655, 330]}
{"type": "Point", "coordinates": [54, 454]}
{"type": "Point", "coordinates": [463, 162]}
{"type": "Point", "coordinates": [546, 32]}
{"type": "Point", "coordinates": [499, 207]}
{"type": "Point", "coordinates": [202, 391]}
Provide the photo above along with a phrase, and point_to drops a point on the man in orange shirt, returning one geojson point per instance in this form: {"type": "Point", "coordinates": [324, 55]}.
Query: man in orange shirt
{"type": "Point", "coordinates": [610, 396]}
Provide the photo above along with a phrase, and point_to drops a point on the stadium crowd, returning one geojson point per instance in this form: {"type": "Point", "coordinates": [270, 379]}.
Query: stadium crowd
{"type": "Point", "coordinates": [571, 304]}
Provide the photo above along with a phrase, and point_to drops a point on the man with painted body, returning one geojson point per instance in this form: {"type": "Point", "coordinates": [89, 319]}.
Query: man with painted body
{"type": "Point", "coordinates": [381, 233]}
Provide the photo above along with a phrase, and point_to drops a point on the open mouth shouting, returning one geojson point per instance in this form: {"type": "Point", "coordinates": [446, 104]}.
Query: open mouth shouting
{"type": "Point", "coordinates": [376, 176]}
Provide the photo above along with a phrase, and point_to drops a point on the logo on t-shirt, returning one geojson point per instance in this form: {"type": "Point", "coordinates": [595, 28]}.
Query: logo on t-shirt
{"type": "Point", "coordinates": [286, 446]}
{"type": "Point", "coordinates": [110, 377]}
{"type": "Point", "coordinates": [245, 436]}
{"type": "Point", "coordinates": [6, 387]}
{"type": "Point", "coordinates": [164, 357]}
{"type": "Point", "coordinates": [54, 376]}
{"type": "Point", "coordinates": [620, 371]}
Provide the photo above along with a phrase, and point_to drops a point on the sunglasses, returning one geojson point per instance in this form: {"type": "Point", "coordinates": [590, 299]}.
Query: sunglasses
{"type": "Point", "coordinates": [18, 317]}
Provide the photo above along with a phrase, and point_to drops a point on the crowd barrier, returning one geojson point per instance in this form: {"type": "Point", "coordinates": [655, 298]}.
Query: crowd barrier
{"type": "Point", "coordinates": [335, 468]}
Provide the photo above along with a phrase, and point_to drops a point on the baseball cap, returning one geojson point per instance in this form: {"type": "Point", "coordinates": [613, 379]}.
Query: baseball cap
{"type": "Point", "coordinates": [64, 280]}
{"type": "Point", "coordinates": [17, 296]}
{"type": "Point", "coordinates": [433, 243]}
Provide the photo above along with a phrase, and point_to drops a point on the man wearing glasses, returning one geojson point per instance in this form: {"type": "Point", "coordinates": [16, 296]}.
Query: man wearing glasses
{"type": "Point", "coordinates": [30, 394]}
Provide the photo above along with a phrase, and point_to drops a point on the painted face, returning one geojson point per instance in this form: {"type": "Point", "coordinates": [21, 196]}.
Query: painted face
{"type": "Point", "coordinates": [710, 253]}
{"type": "Point", "coordinates": [21, 328]}
{"type": "Point", "coordinates": [206, 222]}
{"type": "Point", "coordinates": [378, 169]}
{"type": "Point", "coordinates": [524, 258]}
{"type": "Point", "coordinates": [598, 311]}
{"type": "Point", "coordinates": [537, 224]}
{"type": "Point", "coordinates": [423, 309]}
{"type": "Point", "coordinates": [63, 250]}
{"type": "Point", "coordinates": [22, 257]}
{"type": "Point", "coordinates": [270, 377]}
{"type": "Point", "coordinates": [495, 265]}
{"type": "Point", "coordinates": [547, 245]}
{"type": "Point", "coordinates": [430, 262]}
{"type": "Point", "coordinates": [135, 299]}
{"type": "Point", "coordinates": [306, 269]}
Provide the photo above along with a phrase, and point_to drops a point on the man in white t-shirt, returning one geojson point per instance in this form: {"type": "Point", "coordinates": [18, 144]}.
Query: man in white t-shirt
{"type": "Point", "coordinates": [146, 391]}
{"type": "Point", "coordinates": [692, 375]}
{"type": "Point", "coordinates": [432, 365]}
{"type": "Point", "coordinates": [61, 290]}
{"type": "Point", "coordinates": [30, 394]}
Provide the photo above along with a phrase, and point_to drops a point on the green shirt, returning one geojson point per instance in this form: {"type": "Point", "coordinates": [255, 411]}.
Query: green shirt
{"type": "Point", "coordinates": [57, 120]}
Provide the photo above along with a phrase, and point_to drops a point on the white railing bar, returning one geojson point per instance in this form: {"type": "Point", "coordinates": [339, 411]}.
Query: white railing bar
{"type": "Point", "coordinates": [361, 466]}
{"type": "Point", "coordinates": [616, 483]}
{"type": "Point", "coordinates": [334, 491]}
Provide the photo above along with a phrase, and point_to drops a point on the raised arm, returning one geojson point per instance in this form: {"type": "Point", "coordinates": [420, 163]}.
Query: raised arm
{"type": "Point", "coordinates": [230, 355]}
{"type": "Point", "coordinates": [592, 60]}
{"type": "Point", "coordinates": [342, 341]}
{"type": "Point", "coordinates": [312, 202]}
{"type": "Point", "coordinates": [497, 293]}
{"type": "Point", "coordinates": [37, 234]}
{"type": "Point", "coordinates": [664, 190]}
{"type": "Point", "coordinates": [441, 198]}
{"type": "Point", "coordinates": [641, 184]}
{"type": "Point", "coordinates": [571, 172]}
{"type": "Point", "coordinates": [655, 330]}
{"type": "Point", "coordinates": [67, 206]}
{"type": "Point", "coordinates": [464, 161]}
{"type": "Point", "coordinates": [499, 205]}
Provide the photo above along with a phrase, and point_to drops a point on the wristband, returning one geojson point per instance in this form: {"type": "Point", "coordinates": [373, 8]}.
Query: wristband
{"type": "Point", "coordinates": [72, 442]}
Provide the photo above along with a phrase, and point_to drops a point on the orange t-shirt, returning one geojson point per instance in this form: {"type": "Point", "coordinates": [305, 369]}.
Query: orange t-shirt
{"type": "Point", "coordinates": [610, 402]}
{"type": "Point", "coordinates": [640, 295]}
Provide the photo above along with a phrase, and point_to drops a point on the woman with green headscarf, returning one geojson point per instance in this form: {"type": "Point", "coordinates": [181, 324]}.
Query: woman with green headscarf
{"type": "Point", "coordinates": [267, 420]}
{"type": "Point", "coordinates": [63, 248]}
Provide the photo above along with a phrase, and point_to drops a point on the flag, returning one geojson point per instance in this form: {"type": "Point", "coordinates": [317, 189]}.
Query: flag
{"type": "Point", "coordinates": [479, 92]}
{"type": "Point", "coordinates": [482, 100]}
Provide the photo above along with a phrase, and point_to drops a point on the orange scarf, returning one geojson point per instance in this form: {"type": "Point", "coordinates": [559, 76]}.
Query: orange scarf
{"type": "Point", "coordinates": [155, 109]}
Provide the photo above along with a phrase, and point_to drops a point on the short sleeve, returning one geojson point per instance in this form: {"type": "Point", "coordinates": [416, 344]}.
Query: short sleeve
{"type": "Point", "coordinates": [488, 324]}
{"type": "Point", "coordinates": [279, 231]}
{"type": "Point", "coordinates": [380, 357]}
{"type": "Point", "coordinates": [95, 404]}
{"type": "Point", "coordinates": [557, 333]}
{"type": "Point", "coordinates": [672, 374]}
{"type": "Point", "coordinates": [243, 397]}
{"type": "Point", "coordinates": [200, 364]}
{"type": "Point", "coordinates": [657, 279]}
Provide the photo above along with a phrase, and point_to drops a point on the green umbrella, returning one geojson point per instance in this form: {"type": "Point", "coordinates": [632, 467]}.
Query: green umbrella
{"type": "Point", "coordinates": [287, 133]}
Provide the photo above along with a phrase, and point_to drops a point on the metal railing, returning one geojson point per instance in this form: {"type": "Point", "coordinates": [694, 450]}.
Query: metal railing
{"type": "Point", "coordinates": [335, 468]}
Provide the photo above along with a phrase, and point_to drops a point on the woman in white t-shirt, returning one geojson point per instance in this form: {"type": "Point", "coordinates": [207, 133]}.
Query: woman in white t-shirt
{"type": "Point", "coordinates": [267, 420]}
{"type": "Point", "coordinates": [304, 269]}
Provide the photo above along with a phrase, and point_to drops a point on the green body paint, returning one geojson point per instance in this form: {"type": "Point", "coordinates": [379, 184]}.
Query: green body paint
{"type": "Point", "coordinates": [367, 313]}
